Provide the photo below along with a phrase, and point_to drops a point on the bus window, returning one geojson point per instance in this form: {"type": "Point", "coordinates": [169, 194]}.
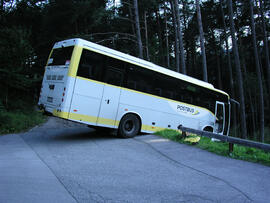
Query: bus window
{"type": "Point", "coordinates": [132, 85]}
{"type": "Point", "coordinates": [60, 56]}
{"type": "Point", "coordinates": [157, 91]}
{"type": "Point", "coordinates": [113, 77]}
{"type": "Point", "coordinates": [143, 78]}
{"type": "Point", "coordinates": [166, 85]}
{"type": "Point", "coordinates": [90, 65]}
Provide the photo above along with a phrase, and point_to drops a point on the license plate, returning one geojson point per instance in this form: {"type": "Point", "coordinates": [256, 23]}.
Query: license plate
{"type": "Point", "coordinates": [49, 99]}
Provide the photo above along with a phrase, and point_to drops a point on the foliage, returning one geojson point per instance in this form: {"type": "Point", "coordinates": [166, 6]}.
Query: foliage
{"type": "Point", "coordinates": [17, 121]}
{"type": "Point", "coordinates": [222, 148]}
{"type": "Point", "coordinates": [15, 62]}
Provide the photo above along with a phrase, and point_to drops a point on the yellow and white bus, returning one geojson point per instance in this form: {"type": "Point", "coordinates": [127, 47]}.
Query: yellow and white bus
{"type": "Point", "coordinates": [101, 87]}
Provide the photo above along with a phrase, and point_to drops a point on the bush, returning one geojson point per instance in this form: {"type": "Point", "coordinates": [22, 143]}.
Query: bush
{"type": "Point", "coordinates": [17, 121]}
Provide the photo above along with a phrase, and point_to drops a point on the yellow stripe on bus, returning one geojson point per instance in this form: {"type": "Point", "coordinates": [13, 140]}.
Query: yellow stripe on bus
{"type": "Point", "coordinates": [104, 121]}
{"type": "Point", "coordinates": [81, 117]}
{"type": "Point", "coordinates": [60, 114]}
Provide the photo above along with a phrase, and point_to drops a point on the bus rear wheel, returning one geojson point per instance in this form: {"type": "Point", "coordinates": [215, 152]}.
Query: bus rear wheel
{"type": "Point", "coordinates": [129, 126]}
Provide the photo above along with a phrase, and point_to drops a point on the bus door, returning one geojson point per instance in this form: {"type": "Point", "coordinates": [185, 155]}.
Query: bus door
{"type": "Point", "coordinates": [220, 117]}
{"type": "Point", "coordinates": [110, 99]}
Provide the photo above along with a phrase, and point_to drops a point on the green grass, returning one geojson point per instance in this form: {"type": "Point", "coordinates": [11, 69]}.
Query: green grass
{"type": "Point", "coordinates": [221, 148]}
{"type": "Point", "coordinates": [19, 120]}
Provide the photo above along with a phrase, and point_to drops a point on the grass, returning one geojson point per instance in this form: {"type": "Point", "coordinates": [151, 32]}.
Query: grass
{"type": "Point", "coordinates": [221, 148]}
{"type": "Point", "coordinates": [19, 120]}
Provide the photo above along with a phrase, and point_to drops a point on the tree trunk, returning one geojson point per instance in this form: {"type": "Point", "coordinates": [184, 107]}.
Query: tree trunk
{"type": "Point", "coordinates": [166, 36]}
{"type": "Point", "coordinates": [265, 43]}
{"type": "Point", "coordinates": [146, 37]}
{"type": "Point", "coordinates": [258, 70]}
{"type": "Point", "coordinates": [229, 66]}
{"type": "Point", "coordinates": [2, 11]}
{"type": "Point", "coordinates": [131, 18]}
{"type": "Point", "coordinates": [176, 46]}
{"type": "Point", "coordinates": [187, 42]}
{"type": "Point", "coordinates": [1, 5]}
{"type": "Point", "coordinates": [194, 59]}
{"type": "Point", "coordinates": [180, 37]}
{"type": "Point", "coordinates": [238, 72]}
{"type": "Point", "coordinates": [219, 67]}
{"type": "Point", "coordinates": [160, 45]}
{"type": "Point", "coordinates": [137, 27]}
{"type": "Point", "coordinates": [199, 18]}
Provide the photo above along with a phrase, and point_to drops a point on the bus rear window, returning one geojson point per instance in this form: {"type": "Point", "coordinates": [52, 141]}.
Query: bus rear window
{"type": "Point", "coordinates": [60, 56]}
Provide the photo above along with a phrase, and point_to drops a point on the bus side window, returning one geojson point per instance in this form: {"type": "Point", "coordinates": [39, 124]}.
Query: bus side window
{"type": "Point", "coordinates": [165, 85]}
{"type": "Point", "coordinates": [139, 79]}
{"type": "Point", "coordinates": [90, 65]}
{"type": "Point", "coordinates": [113, 72]}
{"type": "Point", "coordinates": [113, 77]}
{"type": "Point", "coordinates": [132, 84]}
{"type": "Point", "coordinates": [157, 91]}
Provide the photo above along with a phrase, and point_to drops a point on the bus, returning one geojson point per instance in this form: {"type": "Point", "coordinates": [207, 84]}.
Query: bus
{"type": "Point", "coordinates": [101, 87]}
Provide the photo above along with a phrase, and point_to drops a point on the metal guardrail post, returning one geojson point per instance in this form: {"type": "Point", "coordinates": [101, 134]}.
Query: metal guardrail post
{"type": "Point", "coordinates": [231, 147]}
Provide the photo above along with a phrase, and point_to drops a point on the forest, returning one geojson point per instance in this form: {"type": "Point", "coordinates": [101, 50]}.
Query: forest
{"type": "Point", "coordinates": [223, 42]}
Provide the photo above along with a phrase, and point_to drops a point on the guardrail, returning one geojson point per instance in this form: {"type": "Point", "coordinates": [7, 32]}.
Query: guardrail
{"type": "Point", "coordinates": [230, 140]}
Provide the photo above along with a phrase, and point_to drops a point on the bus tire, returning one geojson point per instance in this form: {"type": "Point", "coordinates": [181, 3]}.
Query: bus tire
{"type": "Point", "coordinates": [129, 126]}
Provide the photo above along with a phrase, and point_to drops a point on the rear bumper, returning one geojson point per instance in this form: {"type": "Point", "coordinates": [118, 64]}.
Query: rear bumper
{"type": "Point", "coordinates": [58, 112]}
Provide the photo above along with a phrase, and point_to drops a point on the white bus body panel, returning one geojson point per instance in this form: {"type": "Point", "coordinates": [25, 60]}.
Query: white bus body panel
{"type": "Point", "coordinates": [109, 106]}
{"type": "Point", "coordinates": [86, 100]}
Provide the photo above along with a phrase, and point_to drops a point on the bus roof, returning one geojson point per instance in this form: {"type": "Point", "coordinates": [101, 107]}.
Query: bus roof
{"type": "Point", "coordinates": [134, 60]}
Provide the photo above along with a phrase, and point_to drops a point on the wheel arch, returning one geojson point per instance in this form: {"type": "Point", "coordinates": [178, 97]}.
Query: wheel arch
{"type": "Point", "coordinates": [134, 113]}
{"type": "Point", "coordinates": [208, 128]}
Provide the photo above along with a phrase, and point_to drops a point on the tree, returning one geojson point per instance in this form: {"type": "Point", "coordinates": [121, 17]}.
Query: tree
{"type": "Point", "coordinates": [265, 43]}
{"type": "Point", "coordinates": [258, 70]}
{"type": "Point", "coordinates": [176, 44]}
{"type": "Point", "coordinates": [180, 38]}
{"type": "Point", "coordinates": [15, 63]}
{"type": "Point", "coordinates": [166, 36]}
{"type": "Point", "coordinates": [199, 18]}
{"type": "Point", "coordinates": [138, 30]}
{"type": "Point", "coordinates": [238, 72]}
{"type": "Point", "coordinates": [229, 62]}
{"type": "Point", "coordinates": [146, 37]}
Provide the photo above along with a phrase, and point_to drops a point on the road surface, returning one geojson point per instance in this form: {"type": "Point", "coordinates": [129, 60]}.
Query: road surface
{"type": "Point", "coordinates": [62, 161]}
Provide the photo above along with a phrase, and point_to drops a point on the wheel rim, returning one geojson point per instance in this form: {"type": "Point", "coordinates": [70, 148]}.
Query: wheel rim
{"type": "Point", "coordinates": [129, 125]}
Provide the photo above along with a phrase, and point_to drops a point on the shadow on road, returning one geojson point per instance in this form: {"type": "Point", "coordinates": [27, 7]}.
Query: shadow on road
{"type": "Point", "coordinates": [83, 134]}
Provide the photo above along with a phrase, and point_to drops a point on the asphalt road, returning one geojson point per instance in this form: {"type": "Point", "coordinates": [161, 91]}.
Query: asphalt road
{"type": "Point", "coordinates": [65, 162]}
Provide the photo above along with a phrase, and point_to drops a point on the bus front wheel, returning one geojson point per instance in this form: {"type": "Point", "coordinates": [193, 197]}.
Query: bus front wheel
{"type": "Point", "coordinates": [129, 126]}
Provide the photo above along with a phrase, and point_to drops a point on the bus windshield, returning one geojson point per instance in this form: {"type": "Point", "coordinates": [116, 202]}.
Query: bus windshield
{"type": "Point", "coordinates": [60, 56]}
